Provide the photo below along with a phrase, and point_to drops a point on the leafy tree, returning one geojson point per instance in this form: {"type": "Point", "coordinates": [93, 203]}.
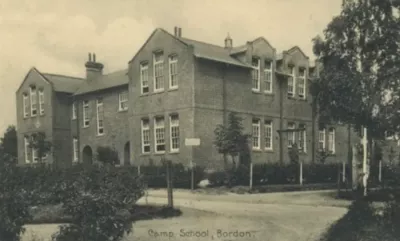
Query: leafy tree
{"type": "Point", "coordinates": [230, 139]}
{"type": "Point", "coordinates": [39, 143]}
{"type": "Point", "coordinates": [8, 145]}
{"type": "Point", "coordinates": [107, 155]}
{"type": "Point", "coordinates": [360, 55]}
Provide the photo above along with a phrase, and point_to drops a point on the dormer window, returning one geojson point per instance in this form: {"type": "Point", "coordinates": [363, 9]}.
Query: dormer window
{"type": "Point", "coordinates": [268, 76]}
{"type": "Point", "coordinates": [33, 101]}
{"type": "Point", "coordinates": [291, 81]}
{"type": "Point", "coordinates": [255, 74]}
{"type": "Point", "coordinates": [302, 83]}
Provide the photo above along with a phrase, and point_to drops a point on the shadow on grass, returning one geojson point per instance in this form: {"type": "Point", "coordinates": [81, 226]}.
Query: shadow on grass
{"type": "Point", "coordinates": [54, 214]}
{"type": "Point", "coordinates": [376, 195]}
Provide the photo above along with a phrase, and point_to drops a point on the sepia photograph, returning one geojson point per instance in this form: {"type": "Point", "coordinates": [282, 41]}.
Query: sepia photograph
{"type": "Point", "coordinates": [225, 120]}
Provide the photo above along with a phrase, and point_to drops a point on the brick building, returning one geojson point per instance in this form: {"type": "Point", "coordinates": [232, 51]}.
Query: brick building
{"type": "Point", "coordinates": [176, 88]}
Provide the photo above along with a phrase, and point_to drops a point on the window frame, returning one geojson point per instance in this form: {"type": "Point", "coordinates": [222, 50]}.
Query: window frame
{"type": "Point", "coordinates": [332, 132]}
{"type": "Point", "coordinates": [74, 111]}
{"type": "Point", "coordinates": [33, 100]}
{"type": "Point", "coordinates": [100, 105]}
{"type": "Point", "coordinates": [157, 127]}
{"type": "Point", "coordinates": [303, 138]}
{"type": "Point", "coordinates": [25, 104]}
{"type": "Point", "coordinates": [258, 70]}
{"type": "Point", "coordinates": [121, 102]}
{"type": "Point", "coordinates": [171, 75]}
{"type": "Point", "coordinates": [322, 133]}
{"type": "Point", "coordinates": [85, 113]}
{"type": "Point", "coordinates": [143, 129]}
{"type": "Point", "coordinates": [26, 149]}
{"type": "Point", "coordinates": [41, 101]}
{"type": "Point", "coordinates": [268, 124]}
{"type": "Point", "coordinates": [144, 77]}
{"type": "Point", "coordinates": [291, 134]}
{"type": "Point", "coordinates": [269, 73]}
{"type": "Point", "coordinates": [75, 150]}
{"type": "Point", "coordinates": [303, 78]}
{"type": "Point", "coordinates": [293, 76]}
{"type": "Point", "coordinates": [171, 137]}
{"type": "Point", "coordinates": [256, 123]}
{"type": "Point", "coordinates": [161, 77]}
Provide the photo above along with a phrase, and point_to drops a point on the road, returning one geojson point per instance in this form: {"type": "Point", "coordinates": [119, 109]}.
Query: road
{"type": "Point", "coordinates": [262, 217]}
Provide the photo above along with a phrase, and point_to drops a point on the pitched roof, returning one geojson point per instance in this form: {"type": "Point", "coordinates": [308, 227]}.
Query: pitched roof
{"type": "Point", "coordinates": [114, 79]}
{"type": "Point", "coordinates": [63, 83]}
{"type": "Point", "coordinates": [213, 52]}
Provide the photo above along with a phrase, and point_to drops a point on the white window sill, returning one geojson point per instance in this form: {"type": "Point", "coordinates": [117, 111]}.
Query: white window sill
{"type": "Point", "coordinates": [84, 127]}
{"type": "Point", "coordinates": [256, 149]}
{"type": "Point", "coordinates": [255, 90]}
{"type": "Point", "coordinates": [174, 151]}
{"type": "Point", "coordinates": [123, 110]}
{"type": "Point", "coordinates": [268, 92]}
{"type": "Point", "coordinates": [160, 153]}
{"type": "Point", "coordinates": [158, 91]}
{"type": "Point", "coordinates": [173, 87]}
{"type": "Point", "coordinates": [100, 135]}
{"type": "Point", "coordinates": [269, 149]}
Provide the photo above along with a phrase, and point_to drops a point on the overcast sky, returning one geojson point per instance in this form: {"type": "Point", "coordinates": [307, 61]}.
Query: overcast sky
{"type": "Point", "coordinates": [56, 35]}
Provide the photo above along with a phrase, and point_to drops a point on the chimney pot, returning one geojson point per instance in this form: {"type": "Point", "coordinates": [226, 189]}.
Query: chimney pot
{"type": "Point", "coordinates": [90, 57]}
{"type": "Point", "coordinates": [179, 32]}
{"type": "Point", "coordinates": [94, 58]}
{"type": "Point", "coordinates": [176, 31]}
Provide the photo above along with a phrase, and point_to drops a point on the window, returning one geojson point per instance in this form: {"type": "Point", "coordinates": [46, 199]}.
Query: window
{"type": "Point", "coordinates": [302, 82]}
{"type": "Point", "coordinates": [268, 76]}
{"type": "Point", "coordinates": [268, 135]}
{"type": "Point", "coordinates": [41, 102]}
{"type": "Point", "coordinates": [74, 112]}
{"type": "Point", "coordinates": [26, 105]}
{"type": "Point", "coordinates": [145, 136]}
{"type": "Point", "coordinates": [86, 113]}
{"type": "Point", "coordinates": [292, 81]}
{"type": "Point", "coordinates": [75, 149]}
{"type": "Point", "coordinates": [174, 125]}
{"type": "Point", "coordinates": [173, 71]}
{"type": "Point", "coordinates": [144, 77]}
{"type": "Point", "coordinates": [123, 100]}
{"type": "Point", "coordinates": [33, 101]}
{"type": "Point", "coordinates": [302, 138]}
{"type": "Point", "coordinates": [255, 74]}
{"type": "Point", "coordinates": [256, 134]}
{"type": "Point", "coordinates": [26, 146]}
{"type": "Point", "coordinates": [158, 71]}
{"type": "Point", "coordinates": [321, 140]}
{"type": "Point", "coordinates": [159, 134]}
{"type": "Point", "coordinates": [100, 117]}
{"type": "Point", "coordinates": [331, 140]}
{"type": "Point", "coordinates": [291, 135]}
{"type": "Point", "coordinates": [35, 157]}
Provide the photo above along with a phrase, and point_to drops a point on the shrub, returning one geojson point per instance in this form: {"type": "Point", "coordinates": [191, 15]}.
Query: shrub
{"type": "Point", "coordinates": [107, 155]}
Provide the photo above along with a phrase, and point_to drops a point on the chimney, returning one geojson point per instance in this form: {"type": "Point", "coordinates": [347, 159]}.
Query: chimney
{"type": "Point", "coordinates": [228, 42]}
{"type": "Point", "coordinates": [176, 31]}
{"type": "Point", "coordinates": [93, 69]}
{"type": "Point", "coordinates": [179, 32]}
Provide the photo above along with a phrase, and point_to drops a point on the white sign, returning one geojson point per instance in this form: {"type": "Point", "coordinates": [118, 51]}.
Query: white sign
{"type": "Point", "coordinates": [192, 142]}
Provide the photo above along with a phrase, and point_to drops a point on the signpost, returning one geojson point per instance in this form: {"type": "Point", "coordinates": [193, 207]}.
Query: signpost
{"type": "Point", "coordinates": [192, 142]}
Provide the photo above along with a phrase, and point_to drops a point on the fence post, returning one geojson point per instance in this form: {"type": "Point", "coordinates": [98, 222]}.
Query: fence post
{"type": "Point", "coordinates": [251, 175]}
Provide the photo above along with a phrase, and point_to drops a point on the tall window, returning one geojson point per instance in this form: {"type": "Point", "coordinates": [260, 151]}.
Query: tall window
{"type": "Point", "coordinates": [331, 140]}
{"type": "Point", "coordinates": [75, 149]}
{"type": "Point", "coordinates": [25, 104]}
{"type": "Point", "coordinates": [35, 156]}
{"type": "Point", "coordinates": [268, 135]}
{"type": "Point", "coordinates": [41, 102]}
{"type": "Point", "coordinates": [26, 149]}
{"type": "Point", "coordinates": [74, 111]}
{"type": "Point", "coordinates": [256, 134]}
{"type": "Point", "coordinates": [123, 100]}
{"type": "Point", "coordinates": [144, 77]}
{"type": "Point", "coordinates": [321, 139]}
{"type": "Point", "coordinates": [268, 76]}
{"type": "Point", "coordinates": [174, 125]}
{"type": "Point", "coordinates": [292, 81]}
{"type": "Point", "coordinates": [145, 136]}
{"type": "Point", "coordinates": [33, 101]}
{"type": "Point", "coordinates": [291, 135]}
{"type": "Point", "coordinates": [158, 71]}
{"type": "Point", "coordinates": [173, 71]}
{"type": "Point", "coordinates": [86, 113]}
{"type": "Point", "coordinates": [100, 117]}
{"type": "Point", "coordinates": [159, 132]}
{"type": "Point", "coordinates": [302, 138]}
{"type": "Point", "coordinates": [302, 82]}
{"type": "Point", "coordinates": [255, 74]}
